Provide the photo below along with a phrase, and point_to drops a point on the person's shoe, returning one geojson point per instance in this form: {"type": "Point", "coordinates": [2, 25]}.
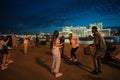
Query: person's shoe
{"type": "Point", "coordinates": [3, 67]}
{"type": "Point", "coordinates": [75, 60]}
{"type": "Point", "coordinates": [58, 75]}
{"type": "Point", "coordinates": [70, 59]}
{"type": "Point", "coordinates": [10, 48]}
{"type": "Point", "coordinates": [94, 72]}
{"type": "Point", "coordinates": [10, 61]}
{"type": "Point", "coordinates": [6, 64]}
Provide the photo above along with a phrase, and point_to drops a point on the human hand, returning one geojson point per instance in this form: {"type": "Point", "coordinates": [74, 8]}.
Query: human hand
{"type": "Point", "coordinates": [61, 44]}
{"type": "Point", "coordinates": [89, 36]}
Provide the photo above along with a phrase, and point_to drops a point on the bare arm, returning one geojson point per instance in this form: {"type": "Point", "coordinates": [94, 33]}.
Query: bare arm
{"type": "Point", "coordinates": [57, 43]}
{"type": "Point", "coordinates": [6, 42]}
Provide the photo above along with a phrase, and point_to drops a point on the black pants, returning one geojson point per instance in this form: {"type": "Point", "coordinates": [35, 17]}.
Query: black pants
{"type": "Point", "coordinates": [73, 50]}
{"type": "Point", "coordinates": [62, 52]}
{"type": "Point", "coordinates": [37, 44]}
{"type": "Point", "coordinates": [97, 59]}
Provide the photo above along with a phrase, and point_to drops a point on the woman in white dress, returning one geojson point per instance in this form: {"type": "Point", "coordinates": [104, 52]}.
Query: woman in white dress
{"type": "Point", "coordinates": [56, 54]}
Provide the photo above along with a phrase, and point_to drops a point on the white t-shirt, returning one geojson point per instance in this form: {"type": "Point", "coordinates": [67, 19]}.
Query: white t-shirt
{"type": "Point", "coordinates": [25, 39]}
{"type": "Point", "coordinates": [75, 42]}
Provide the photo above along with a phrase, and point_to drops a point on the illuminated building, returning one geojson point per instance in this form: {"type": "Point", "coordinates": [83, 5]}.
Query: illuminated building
{"type": "Point", "coordinates": [83, 31]}
{"type": "Point", "coordinates": [104, 32]}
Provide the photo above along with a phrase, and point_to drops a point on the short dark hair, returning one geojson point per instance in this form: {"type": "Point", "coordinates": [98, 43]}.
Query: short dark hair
{"type": "Point", "coordinates": [95, 28]}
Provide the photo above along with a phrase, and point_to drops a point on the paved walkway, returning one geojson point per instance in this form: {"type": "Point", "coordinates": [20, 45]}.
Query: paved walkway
{"type": "Point", "coordinates": [36, 66]}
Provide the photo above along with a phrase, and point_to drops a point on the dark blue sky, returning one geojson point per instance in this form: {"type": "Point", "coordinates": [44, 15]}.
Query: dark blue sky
{"type": "Point", "coordinates": [48, 15]}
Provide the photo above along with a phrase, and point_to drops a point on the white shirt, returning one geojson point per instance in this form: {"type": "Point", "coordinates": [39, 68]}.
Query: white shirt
{"type": "Point", "coordinates": [75, 42]}
{"type": "Point", "coordinates": [25, 39]}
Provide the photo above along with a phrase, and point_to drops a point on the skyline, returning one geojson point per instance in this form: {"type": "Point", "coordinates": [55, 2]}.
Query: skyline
{"type": "Point", "coordinates": [46, 16]}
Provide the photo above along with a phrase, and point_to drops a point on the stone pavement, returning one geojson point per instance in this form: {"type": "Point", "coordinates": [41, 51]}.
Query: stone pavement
{"type": "Point", "coordinates": [36, 66]}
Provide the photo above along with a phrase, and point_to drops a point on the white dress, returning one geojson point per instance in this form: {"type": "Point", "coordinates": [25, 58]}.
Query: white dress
{"type": "Point", "coordinates": [56, 56]}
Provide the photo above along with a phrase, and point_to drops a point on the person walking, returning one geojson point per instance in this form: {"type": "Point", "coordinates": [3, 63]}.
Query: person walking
{"type": "Point", "coordinates": [99, 43]}
{"type": "Point", "coordinates": [31, 41]}
{"type": "Point", "coordinates": [26, 43]}
{"type": "Point", "coordinates": [15, 42]}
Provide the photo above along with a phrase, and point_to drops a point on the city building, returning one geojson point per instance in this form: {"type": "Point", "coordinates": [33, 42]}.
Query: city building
{"type": "Point", "coordinates": [83, 31]}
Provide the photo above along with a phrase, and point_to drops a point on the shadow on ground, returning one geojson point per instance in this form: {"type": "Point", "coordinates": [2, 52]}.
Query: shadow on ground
{"type": "Point", "coordinates": [43, 64]}
{"type": "Point", "coordinates": [49, 53]}
{"type": "Point", "coordinates": [90, 77]}
{"type": "Point", "coordinates": [77, 64]}
{"type": "Point", "coordinates": [112, 63]}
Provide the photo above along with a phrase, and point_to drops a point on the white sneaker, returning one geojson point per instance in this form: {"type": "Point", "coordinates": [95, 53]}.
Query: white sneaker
{"type": "Point", "coordinates": [75, 60]}
{"type": "Point", "coordinates": [58, 75]}
{"type": "Point", "coordinates": [70, 59]}
{"type": "Point", "coordinates": [6, 64]}
{"type": "Point", "coordinates": [10, 48]}
{"type": "Point", "coordinates": [10, 61]}
{"type": "Point", "coordinates": [3, 67]}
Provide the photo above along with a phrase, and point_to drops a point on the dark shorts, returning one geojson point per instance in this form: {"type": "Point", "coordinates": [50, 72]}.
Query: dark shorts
{"type": "Point", "coordinates": [10, 44]}
{"type": "Point", "coordinates": [3, 52]}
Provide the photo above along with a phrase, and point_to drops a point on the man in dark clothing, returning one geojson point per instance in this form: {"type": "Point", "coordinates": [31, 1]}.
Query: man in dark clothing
{"type": "Point", "coordinates": [9, 38]}
{"type": "Point", "coordinates": [99, 43]}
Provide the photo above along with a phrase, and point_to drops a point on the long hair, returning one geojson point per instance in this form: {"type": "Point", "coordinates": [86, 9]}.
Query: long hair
{"type": "Point", "coordinates": [54, 37]}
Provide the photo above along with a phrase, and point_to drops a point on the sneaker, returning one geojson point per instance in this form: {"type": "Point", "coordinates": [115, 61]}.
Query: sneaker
{"type": "Point", "coordinates": [10, 61]}
{"type": "Point", "coordinates": [75, 60]}
{"type": "Point", "coordinates": [10, 48]}
{"type": "Point", "coordinates": [3, 67]}
{"type": "Point", "coordinates": [70, 59]}
{"type": "Point", "coordinates": [58, 75]}
{"type": "Point", "coordinates": [6, 64]}
{"type": "Point", "coordinates": [94, 72]}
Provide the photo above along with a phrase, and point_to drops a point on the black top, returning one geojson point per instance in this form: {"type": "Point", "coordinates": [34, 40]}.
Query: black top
{"type": "Point", "coordinates": [10, 42]}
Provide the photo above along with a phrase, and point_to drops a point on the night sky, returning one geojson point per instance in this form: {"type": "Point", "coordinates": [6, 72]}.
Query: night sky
{"type": "Point", "coordinates": [35, 16]}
